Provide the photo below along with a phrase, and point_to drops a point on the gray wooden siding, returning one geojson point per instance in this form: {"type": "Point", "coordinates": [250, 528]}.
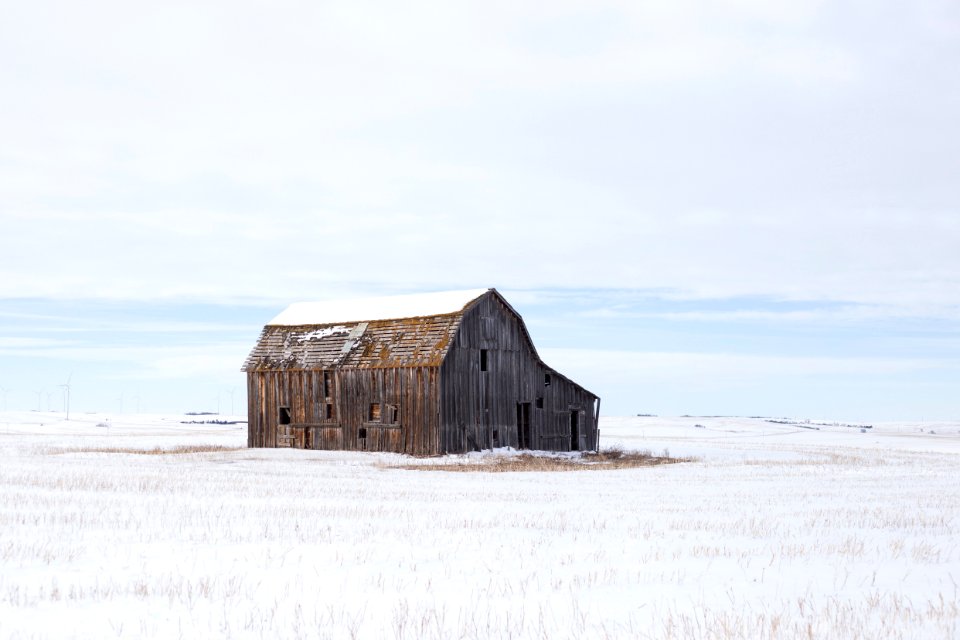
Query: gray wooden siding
{"type": "Point", "coordinates": [479, 408]}
{"type": "Point", "coordinates": [413, 391]}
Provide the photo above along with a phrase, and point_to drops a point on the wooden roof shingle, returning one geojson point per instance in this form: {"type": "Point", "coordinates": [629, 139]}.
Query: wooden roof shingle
{"type": "Point", "coordinates": [365, 339]}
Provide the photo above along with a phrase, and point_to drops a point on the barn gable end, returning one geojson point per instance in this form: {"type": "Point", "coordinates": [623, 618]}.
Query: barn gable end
{"type": "Point", "coordinates": [514, 398]}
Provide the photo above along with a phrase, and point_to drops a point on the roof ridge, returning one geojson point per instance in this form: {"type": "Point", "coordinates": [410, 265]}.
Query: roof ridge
{"type": "Point", "coordinates": [398, 307]}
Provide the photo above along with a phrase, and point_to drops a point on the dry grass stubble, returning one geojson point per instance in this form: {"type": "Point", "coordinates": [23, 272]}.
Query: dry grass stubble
{"type": "Point", "coordinates": [606, 459]}
{"type": "Point", "coordinates": [152, 451]}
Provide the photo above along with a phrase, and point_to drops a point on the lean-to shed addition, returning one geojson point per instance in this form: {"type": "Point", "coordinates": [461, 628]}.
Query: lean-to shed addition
{"type": "Point", "coordinates": [420, 374]}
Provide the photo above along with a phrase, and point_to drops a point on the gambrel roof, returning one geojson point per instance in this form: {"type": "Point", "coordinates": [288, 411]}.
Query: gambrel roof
{"type": "Point", "coordinates": [370, 333]}
{"type": "Point", "coordinates": [394, 331]}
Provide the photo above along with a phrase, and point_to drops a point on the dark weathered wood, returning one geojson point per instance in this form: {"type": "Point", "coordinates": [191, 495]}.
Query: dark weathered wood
{"type": "Point", "coordinates": [449, 383]}
{"type": "Point", "coordinates": [477, 403]}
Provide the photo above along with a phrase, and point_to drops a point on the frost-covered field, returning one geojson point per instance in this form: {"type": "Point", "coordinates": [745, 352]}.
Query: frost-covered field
{"type": "Point", "coordinates": [777, 531]}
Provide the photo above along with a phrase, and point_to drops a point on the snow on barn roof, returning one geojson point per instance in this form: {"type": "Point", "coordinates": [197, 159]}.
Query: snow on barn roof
{"type": "Point", "coordinates": [383, 308]}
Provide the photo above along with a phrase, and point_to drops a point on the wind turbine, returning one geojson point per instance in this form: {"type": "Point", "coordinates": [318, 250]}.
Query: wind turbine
{"type": "Point", "coordinates": [66, 387]}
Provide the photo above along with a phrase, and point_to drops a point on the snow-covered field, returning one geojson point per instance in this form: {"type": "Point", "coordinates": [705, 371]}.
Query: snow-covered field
{"type": "Point", "coordinates": [776, 531]}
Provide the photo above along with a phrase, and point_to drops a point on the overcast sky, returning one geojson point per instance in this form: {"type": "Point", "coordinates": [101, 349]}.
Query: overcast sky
{"type": "Point", "coordinates": [740, 206]}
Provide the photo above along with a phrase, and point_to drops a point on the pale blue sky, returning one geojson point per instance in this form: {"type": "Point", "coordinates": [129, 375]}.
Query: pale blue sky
{"type": "Point", "coordinates": [737, 207]}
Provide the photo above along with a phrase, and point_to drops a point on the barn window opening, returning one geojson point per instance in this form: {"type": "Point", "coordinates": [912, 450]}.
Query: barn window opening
{"type": "Point", "coordinates": [539, 402]}
{"type": "Point", "coordinates": [390, 414]}
{"type": "Point", "coordinates": [374, 414]}
{"type": "Point", "coordinates": [362, 432]}
{"type": "Point", "coordinates": [546, 379]}
{"type": "Point", "coordinates": [483, 359]}
{"type": "Point", "coordinates": [328, 411]}
{"type": "Point", "coordinates": [284, 415]}
{"type": "Point", "coordinates": [326, 384]}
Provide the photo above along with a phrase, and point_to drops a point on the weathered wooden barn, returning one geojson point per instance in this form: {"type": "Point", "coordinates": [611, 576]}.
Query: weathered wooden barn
{"type": "Point", "coordinates": [423, 374]}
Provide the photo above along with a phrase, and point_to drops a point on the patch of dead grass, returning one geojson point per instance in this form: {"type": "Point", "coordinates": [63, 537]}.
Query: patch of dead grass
{"type": "Point", "coordinates": [613, 458]}
{"type": "Point", "coordinates": [154, 451]}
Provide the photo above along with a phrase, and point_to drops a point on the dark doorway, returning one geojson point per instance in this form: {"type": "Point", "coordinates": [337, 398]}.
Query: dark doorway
{"type": "Point", "coordinates": [285, 435]}
{"type": "Point", "coordinates": [574, 431]}
{"type": "Point", "coordinates": [523, 425]}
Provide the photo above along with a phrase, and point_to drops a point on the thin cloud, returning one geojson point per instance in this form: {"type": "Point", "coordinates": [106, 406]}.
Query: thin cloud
{"type": "Point", "coordinates": [851, 314]}
{"type": "Point", "coordinates": [652, 365]}
{"type": "Point", "coordinates": [18, 344]}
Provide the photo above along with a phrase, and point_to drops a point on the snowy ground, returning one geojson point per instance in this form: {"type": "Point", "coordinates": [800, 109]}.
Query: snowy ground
{"type": "Point", "coordinates": [777, 531]}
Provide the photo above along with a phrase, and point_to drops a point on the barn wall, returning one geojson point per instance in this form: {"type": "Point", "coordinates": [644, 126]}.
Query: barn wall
{"type": "Point", "coordinates": [556, 428]}
{"type": "Point", "coordinates": [347, 423]}
{"type": "Point", "coordinates": [479, 409]}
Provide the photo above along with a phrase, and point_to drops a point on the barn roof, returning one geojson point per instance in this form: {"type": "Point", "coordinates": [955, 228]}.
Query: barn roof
{"type": "Point", "coordinates": [417, 305]}
{"type": "Point", "coordinates": [394, 331]}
